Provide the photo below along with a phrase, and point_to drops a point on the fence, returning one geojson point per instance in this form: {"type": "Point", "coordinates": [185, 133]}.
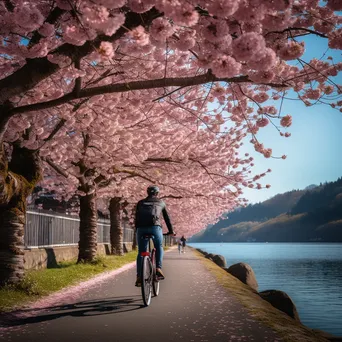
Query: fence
{"type": "Point", "coordinates": [46, 229]}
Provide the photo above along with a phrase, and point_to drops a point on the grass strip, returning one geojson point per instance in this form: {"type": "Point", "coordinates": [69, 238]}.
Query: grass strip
{"type": "Point", "coordinates": [39, 283]}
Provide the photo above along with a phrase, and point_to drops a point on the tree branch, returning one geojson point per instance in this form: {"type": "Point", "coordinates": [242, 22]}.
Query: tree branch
{"type": "Point", "coordinates": [289, 29]}
{"type": "Point", "coordinates": [57, 168]}
{"type": "Point", "coordinates": [55, 130]}
{"type": "Point", "coordinates": [137, 85]}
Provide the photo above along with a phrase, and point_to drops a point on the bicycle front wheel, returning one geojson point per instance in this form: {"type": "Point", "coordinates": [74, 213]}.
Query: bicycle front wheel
{"type": "Point", "coordinates": [146, 280]}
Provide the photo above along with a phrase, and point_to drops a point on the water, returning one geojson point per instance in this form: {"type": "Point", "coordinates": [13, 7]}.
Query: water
{"type": "Point", "coordinates": [310, 273]}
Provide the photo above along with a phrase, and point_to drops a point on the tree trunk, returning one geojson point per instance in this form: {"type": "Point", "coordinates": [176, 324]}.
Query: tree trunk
{"type": "Point", "coordinates": [17, 181]}
{"type": "Point", "coordinates": [116, 231]}
{"type": "Point", "coordinates": [12, 222]}
{"type": "Point", "coordinates": [87, 245]}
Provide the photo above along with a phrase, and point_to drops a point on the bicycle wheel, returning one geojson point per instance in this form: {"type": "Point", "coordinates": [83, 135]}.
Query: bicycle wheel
{"type": "Point", "coordinates": [156, 282]}
{"type": "Point", "coordinates": [146, 280]}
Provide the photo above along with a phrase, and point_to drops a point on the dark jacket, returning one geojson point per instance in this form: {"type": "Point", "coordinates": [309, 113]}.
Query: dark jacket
{"type": "Point", "coordinates": [148, 213]}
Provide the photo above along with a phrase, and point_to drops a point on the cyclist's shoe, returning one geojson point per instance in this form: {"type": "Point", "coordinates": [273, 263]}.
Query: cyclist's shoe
{"type": "Point", "coordinates": [138, 282]}
{"type": "Point", "coordinates": [159, 274]}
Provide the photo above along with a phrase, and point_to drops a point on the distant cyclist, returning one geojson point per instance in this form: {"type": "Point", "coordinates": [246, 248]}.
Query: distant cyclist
{"type": "Point", "coordinates": [183, 240]}
{"type": "Point", "coordinates": [147, 221]}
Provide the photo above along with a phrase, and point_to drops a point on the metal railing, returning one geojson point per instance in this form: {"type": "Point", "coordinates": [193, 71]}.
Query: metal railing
{"type": "Point", "coordinates": [45, 229]}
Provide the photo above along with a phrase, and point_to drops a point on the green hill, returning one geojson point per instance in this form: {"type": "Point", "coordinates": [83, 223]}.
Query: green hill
{"type": "Point", "coordinates": [313, 214]}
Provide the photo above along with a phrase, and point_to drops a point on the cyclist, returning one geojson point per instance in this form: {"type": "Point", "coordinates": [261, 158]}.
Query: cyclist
{"type": "Point", "coordinates": [147, 221]}
{"type": "Point", "coordinates": [183, 240]}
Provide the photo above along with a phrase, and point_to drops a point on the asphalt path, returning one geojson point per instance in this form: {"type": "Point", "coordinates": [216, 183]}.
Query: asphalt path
{"type": "Point", "coordinates": [192, 306]}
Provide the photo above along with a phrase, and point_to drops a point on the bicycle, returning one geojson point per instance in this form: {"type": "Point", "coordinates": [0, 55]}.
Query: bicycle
{"type": "Point", "coordinates": [149, 280]}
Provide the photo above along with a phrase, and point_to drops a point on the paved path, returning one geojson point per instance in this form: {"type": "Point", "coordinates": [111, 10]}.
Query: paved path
{"type": "Point", "coordinates": [191, 306]}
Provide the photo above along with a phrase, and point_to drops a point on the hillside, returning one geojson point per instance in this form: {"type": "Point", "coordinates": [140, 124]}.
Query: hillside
{"type": "Point", "coordinates": [313, 214]}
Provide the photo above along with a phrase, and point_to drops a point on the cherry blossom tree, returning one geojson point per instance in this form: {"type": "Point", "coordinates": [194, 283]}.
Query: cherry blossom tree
{"type": "Point", "coordinates": [56, 57]}
{"type": "Point", "coordinates": [99, 155]}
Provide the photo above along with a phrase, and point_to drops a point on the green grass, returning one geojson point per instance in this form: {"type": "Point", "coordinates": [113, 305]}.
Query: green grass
{"type": "Point", "coordinates": [38, 283]}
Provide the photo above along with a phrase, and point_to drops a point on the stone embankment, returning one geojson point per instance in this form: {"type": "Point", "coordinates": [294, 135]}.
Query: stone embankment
{"type": "Point", "coordinates": [278, 299]}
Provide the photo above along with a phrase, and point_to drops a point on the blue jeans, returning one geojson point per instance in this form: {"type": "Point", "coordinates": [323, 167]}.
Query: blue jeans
{"type": "Point", "coordinates": [157, 232]}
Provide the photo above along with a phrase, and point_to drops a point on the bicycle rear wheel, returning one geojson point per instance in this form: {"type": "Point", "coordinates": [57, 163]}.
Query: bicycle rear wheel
{"type": "Point", "coordinates": [146, 280]}
{"type": "Point", "coordinates": [156, 282]}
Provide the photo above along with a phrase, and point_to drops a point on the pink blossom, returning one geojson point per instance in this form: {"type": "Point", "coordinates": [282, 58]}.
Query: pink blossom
{"type": "Point", "coordinates": [266, 62]}
{"type": "Point", "coordinates": [38, 50]}
{"type": "Point", "coordinates": [223, 8]}
{"type": "Point", "coordinates": [106, 50]}
{"type": "Point", "coordinates": [328, 89]}
{"type": "Point", "coordinates": [61, 60]}
{"type": "Point", "coordinates": [113, 23]}
{"type": "Point", "coordinates": [140, 6]}
{"type": "Point", "coordinates": [139, 35]}
{"type": "Point", "coordinates": [113, 4]}
{"type": "Point", "coordinates": [287, 134]}
{"type": "Point", "coordinates": [248, 45]}
{"type": "Point", "coordinates": [259, 147]}
{"type": "Point", "coordinates": [262, 122]}
{"type": "Point", "coordinates": [335, 39]}
{"type": "Point", "coordinates": [218, 91]}
{"type": "Point", "coordinates": [216, 30]}
{"type": "Point", "coordinates": [161, 29]}
{"type": "Point", "coordinates": [28, 18]}
{"type": "Point", "coordinates": [261, 76]}
{"type": "Point", "coordinates": [185, 15]}
{"type": "Point", "coordinates": [251, 26]}
{"type": "Point", "coordinates": [225, 66]}
{"type": "Point", "coordinates": [268, 186]}
{"type": "Point", "coordinates": [283, 156]}
{"type": "Point", "coordinates": [95, 15]}
{"type": "Point", "coordinates": [279, 5]}
{"type": "Point", "coordinates": [267, 152]}
{"type": "Point", "coordinates": [261, 97]}
{"type": "Point", "coordinates": [268, 110]}
{"type": "Point", "coordinates": [250, 12]}
{"type": "Point", "coordinates": [286, 121]}
{"type": "Point", "coordinates": [64, 4]}
{"type": "Point", "coordinates": [47, 30]}
{"type": "Point", "coordinates": [313, 94]}
{"type": "Point", "coordinates": [299, 86]}
{"type": "Point", "coordinates": [335, 5]}
{"type": "Point", "coordinates": [292, 50]}
{"type": "Point", "coordinates": [186, 40]}
{"type": "Point", "coordinates": [74, 35]}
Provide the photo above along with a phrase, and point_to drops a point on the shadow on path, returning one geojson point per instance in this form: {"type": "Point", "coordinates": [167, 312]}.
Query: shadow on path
{"type": "Point", "coordinates": [79, 309]}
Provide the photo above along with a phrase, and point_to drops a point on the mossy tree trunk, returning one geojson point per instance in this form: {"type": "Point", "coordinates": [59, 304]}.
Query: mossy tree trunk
{"type": "Point", "coordinates": [116, 229]}
{"type": "Point", "coordinates": [17, 180]}
{"type": "Point", "coordinates": [87, 245]}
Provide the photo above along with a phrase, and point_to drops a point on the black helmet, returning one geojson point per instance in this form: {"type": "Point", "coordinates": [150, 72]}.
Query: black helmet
{"type": "Point", "coordinates": [152, 190]}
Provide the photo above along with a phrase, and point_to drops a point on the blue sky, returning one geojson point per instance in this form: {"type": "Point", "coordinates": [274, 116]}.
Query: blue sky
{"type": "Point", "coordinates": [314, 150]}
